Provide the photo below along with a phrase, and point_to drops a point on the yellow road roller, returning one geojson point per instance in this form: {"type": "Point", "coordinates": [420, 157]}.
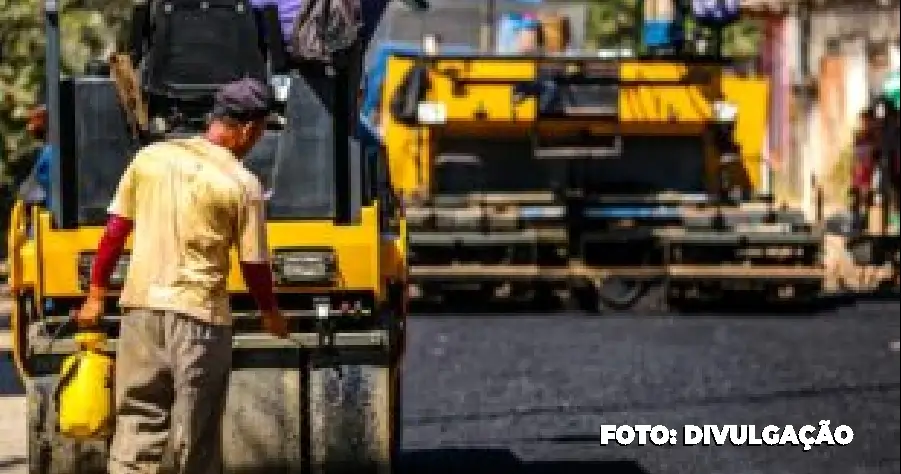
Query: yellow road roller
{"type": "Point", "coordinates": [327, 399]}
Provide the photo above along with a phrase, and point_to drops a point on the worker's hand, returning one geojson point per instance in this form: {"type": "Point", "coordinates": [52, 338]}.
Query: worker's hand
{"type": "Point", "coordinates": [275, 323]}
{"type": "Point", "coordinates": [88, 316]}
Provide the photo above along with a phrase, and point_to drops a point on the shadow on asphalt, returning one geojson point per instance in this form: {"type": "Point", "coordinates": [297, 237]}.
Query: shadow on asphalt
{"type": "Point", "coordinates": [737, 307]}
{"type": "Point", "coordinates": [471, 461]}
{"type": "Point", "coordinates": [821, 306]}
{"type": "Point", "coordinates": [491, 461]}
{"type": "Point", "coordinates": [665, 405]}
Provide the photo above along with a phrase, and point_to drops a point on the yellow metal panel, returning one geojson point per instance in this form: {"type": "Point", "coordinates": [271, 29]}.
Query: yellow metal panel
{"type": "Point", "coordinates": [750, 95]}
{"type": "Point", "coordinates": [659, 101]}
{"type": "Point", "coordinates": [57, 264]}
{"type": "Point", "coordinates": [482, 102]}
{"type": "Point", "coordinates": [406, 146]}
{"type": "Point", "coordinates": [15, 238]}
{"type": "Point", "coordinates": [28, 271]}
{"type": "Point", "coordinates": [357, 248]}
{"type": "Point", "coordinates": [663, 71]}
{"type": "Point", "coordinates": [672, 107]}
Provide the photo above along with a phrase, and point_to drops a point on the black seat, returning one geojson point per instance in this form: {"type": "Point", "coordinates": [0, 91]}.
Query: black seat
{"type": "Point", "coordinates": [194, 46]}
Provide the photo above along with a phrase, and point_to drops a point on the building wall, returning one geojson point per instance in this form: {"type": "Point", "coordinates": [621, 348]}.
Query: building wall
{"type": "Point", "coordinates": [847, 53]}
{"type": "Point", "coordinates": [864, 19]}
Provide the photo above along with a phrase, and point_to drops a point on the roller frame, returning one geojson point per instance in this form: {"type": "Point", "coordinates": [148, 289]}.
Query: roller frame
{"type": "Point", "coordinates": [323, 403]}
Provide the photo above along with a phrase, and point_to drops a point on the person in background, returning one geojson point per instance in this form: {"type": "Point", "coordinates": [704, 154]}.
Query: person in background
{"type": "Point", "coordinates": [862, 170]}
{"type": "Point", "coordinates": [890, 142]}
{"type": "Point", "coordinates": [35, 187]}
{"type": "Point", "coordinates": [37, 128]}
{"type": "Point", "coordinates": [289, 10]}
{"type": "Point", "coordinates": [189, 201]}
{"type": "Point", "coordinates": [530, 38]}
{"type": "Point", "coordinates": [556, 34]}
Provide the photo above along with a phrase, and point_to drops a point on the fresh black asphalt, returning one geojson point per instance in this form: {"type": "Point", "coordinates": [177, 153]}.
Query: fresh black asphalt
{"type": "Point", "coordinates": [526, 394]}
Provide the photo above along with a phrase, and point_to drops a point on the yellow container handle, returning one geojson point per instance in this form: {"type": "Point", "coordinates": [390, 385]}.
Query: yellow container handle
{"type": "Point", "coordinates": [66, 377]}
{"type": "Point", "coordinates": [90, 340]}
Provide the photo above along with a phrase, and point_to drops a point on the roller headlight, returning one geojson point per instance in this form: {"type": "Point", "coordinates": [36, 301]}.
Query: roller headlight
{"type": "Point", "coordinates": [724, 112]}
{"type": "Point", "coordinates": [305, 266]}
{"type": "Point", "coordinates": [117, 278]}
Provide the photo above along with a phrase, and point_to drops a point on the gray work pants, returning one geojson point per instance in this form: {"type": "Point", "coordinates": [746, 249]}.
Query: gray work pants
{"type": "Point", "coordinates": [171, 380]}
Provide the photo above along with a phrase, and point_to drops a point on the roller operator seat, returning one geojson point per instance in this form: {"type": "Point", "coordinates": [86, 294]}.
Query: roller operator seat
{"type": "Point", "coordinates": [187, 49]}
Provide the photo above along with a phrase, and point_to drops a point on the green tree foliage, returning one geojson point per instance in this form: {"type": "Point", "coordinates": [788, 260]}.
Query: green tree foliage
{"type": "Point", "coordinates": [610, 21]}
{"type": "Point", "coordinates": [743, 38]}
{"type": "Point", "coordinates": [87, 30]}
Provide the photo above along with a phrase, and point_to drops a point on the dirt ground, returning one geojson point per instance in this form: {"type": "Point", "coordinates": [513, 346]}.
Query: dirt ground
{"type": "Point", "coordinates": [843, 275]}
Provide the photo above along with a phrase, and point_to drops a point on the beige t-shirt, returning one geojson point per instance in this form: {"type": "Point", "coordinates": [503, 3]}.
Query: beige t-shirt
{"type": "Point", "coordinates": [191, 201]}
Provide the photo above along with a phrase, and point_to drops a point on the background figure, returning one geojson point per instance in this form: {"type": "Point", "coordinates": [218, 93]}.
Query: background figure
{"type": "Point", "coordinates": [508, 27]}
{"type": "Point", "coordinates": [862, 170]}
{"type": "Point", "coordinates": [555, 33]}
{"type": "Point", "coordinates": [289, 10]}
{"type": "Point", "coordinates": [36, 189]}
{"type": "Point", "coordinates": [529, 38]}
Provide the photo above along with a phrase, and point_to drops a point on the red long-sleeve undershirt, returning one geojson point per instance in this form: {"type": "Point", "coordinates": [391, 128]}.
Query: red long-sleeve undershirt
{"type": "Point", "coordinates": [257, 276]}
{"type": "Point", "coordinates": [110, 248]}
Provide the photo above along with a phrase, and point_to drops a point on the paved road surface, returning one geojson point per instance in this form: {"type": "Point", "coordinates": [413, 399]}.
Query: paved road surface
{"type": "Point", "coordinates": [527, 394]}
{"type": "Point", "coordinates": [540, 387]}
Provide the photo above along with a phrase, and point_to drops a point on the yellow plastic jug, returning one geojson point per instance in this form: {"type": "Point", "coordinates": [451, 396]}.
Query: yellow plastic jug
{"type": "Point", "coordinates": [84, 394]}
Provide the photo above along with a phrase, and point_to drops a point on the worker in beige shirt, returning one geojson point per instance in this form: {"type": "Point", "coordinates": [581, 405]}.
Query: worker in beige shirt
{"type": "Point", "coordinates": [186, 202]}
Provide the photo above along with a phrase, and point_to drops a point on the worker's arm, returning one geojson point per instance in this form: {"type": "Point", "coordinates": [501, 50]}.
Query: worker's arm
{"type": "Point", "coordinates": [117, 231]}
{"type": "Point", "coordinates": [118, 228]}
{"type": "Point", "coordinates": [258, 278]}
{"type": "Point", "coordinates": [253, 251]}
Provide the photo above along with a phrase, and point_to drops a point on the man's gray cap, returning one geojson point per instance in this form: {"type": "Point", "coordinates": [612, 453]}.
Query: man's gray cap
{"type": "Point", "coordinates": [244, 99]}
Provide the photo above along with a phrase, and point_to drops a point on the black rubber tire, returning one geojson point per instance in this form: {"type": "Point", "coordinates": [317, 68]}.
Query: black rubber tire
{"type": "Point", "coordinates": [641, 296]}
